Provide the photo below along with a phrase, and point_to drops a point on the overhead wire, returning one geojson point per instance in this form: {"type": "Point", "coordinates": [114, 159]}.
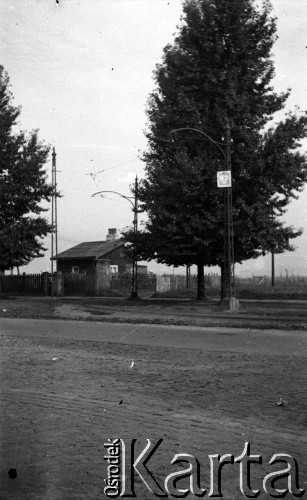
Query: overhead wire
{"type": "Point", "coordinates": [93, 175]}
{"type": "Point", "coordinates": [111, 168]}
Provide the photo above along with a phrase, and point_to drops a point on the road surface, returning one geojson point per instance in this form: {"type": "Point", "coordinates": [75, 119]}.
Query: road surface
{"type": "Point", "coordinates": [68, 386]}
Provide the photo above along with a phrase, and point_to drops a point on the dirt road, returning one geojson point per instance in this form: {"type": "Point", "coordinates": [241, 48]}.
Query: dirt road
{"type": "Point", "coordinates": [66, 387]}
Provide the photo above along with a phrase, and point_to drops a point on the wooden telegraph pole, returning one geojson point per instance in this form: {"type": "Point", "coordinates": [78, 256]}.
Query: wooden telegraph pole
{"type": "Point", "coordinates": [54, 224]}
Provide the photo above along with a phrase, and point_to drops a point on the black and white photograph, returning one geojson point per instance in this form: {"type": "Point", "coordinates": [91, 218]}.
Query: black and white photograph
{"type": "Point", "coordinates": [153, 249]}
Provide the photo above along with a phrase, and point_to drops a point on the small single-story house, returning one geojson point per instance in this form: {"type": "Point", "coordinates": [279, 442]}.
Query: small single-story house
{"type": "Point", "coordinates": [82, 259]}
{"type": "Point", "coordinates": [97, 259]}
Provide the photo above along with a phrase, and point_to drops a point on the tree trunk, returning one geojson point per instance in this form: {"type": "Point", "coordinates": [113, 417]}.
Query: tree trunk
{"type": "Point", "coordinates": [222, 281]}
{"type": "Point", "coordinates": [225, 283]}
{"type": "Point", "coordinates": [200, 282]}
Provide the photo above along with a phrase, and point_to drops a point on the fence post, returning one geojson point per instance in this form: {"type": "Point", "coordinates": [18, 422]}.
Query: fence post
{"type": "Point", "coordinates": [59, 283]}
{"type": "Point", "coordinates": [45, 282]}
{"type": "Point", "coordinates": [102, 276]}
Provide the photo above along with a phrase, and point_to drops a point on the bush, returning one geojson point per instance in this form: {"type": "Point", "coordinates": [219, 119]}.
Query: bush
{"type": "Point", "coordinates": [79, 284]}
{"type": "Point", "coordinates": [122, 283]}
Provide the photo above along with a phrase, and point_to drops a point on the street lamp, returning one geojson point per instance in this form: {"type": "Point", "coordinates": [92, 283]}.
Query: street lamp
{"type": "Point", "coordinates": [224, 181]}
{"type": "Point", "coordinates": [134, 293]}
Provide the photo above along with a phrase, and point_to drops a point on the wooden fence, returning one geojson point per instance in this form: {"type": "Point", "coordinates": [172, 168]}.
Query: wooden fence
{"type": "Point", "coordinates": [179, 282]}
{"type": "Point", "coordinates": [26, 284]}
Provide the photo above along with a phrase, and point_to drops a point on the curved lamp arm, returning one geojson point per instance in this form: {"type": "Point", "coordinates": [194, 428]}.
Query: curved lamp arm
{"type": "Point", "coordinates": [119, 194]}
{"type": "Point", "coordinates": [217, 144]}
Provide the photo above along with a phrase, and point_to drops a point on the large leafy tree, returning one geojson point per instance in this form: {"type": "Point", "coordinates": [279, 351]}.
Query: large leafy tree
{"type": "Point", "coordinates": [219, 68]}
{"type": "Point", "coordinates": [23, 186]}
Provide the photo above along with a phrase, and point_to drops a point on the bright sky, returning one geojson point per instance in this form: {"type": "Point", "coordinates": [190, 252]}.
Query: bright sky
{"type": "Point", "coordinates": [82, 71]}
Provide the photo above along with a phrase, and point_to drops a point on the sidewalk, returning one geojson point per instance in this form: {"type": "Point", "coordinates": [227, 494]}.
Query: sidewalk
{"type": "Point", "coordinates": [277, 314]}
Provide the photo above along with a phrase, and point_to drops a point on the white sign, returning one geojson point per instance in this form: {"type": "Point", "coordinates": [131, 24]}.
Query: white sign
{"type": "Point", "coordinates": [224, 179]}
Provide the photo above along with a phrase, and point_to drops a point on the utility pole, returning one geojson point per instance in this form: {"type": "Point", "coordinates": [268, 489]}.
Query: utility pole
{"type": "Point", "coordinates": [224, 180]}
{"type": "Point", "coordinates": [134, 294]}
{"type": "Point", "coordinates": [228, 232]}
{"type": "Point", "coordinates": [54, 224]}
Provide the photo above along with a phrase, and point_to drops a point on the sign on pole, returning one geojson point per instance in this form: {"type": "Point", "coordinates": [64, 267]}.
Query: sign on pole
{"type": "Point", "coordinates": [224, 179]}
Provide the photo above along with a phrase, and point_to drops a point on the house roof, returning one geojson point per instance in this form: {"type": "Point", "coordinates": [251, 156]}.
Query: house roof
{"type": "Point", "coordinates": [91, 249]}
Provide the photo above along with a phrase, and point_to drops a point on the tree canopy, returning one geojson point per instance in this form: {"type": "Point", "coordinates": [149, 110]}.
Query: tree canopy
{"type": "Point", "coordinates": [219, 68]}
{"type": "Point", "coordinates": [23, 186]}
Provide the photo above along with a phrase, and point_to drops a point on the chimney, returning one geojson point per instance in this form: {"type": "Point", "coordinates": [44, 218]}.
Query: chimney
{"type": "Point", "coordinates": [112, 234]}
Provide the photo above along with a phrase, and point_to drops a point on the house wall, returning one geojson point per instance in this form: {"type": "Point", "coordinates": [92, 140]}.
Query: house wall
{"type": "Point", "coordinates": [118, 258]}
{"type": "Point", "coordinates": [85, 265]}
{"type": "Point", "coordinates": [141, 269]}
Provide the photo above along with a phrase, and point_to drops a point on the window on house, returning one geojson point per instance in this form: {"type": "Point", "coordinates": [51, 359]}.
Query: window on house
{"type": "Point", "coordinates": [75, 269]}
{"type": "Point", "coordinates": [114, 269]}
